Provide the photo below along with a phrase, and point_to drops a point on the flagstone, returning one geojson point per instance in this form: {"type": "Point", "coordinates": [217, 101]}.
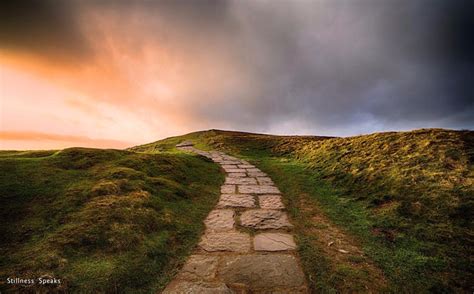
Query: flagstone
{"type": "Point", "coordinates": [228, 241]}
{"type": "Point", "coordinates": [236, 175]}
{"type": "Point", "coordinates": [256, 174]}
{"type": "Point", "coordinates": [220, 220]}
{"type": "Point", "coordinates": [199, 267]}
{"type": "Point", "coordinates": [236, 200]}
{"type": "Point", "coordinates": [262, 271]}
{"type": "Point", "coordinates": [274, 242]}
{"type": "Point", "coordinates": [240, 181]}
{"type": "Point", "coordinates": [270, 202]}
{"type": "Point", "coordinates": [246, 166]}
{"type": "Point", "coordinates": [228, 189]}
{"type": "Point", "coordinates": [265, 219]}
{"type": "Point", "coordinates": [258, 189]}
{"type": "Point", "coordinates": [265, 181]}
{"type": "Point", "coordinates": [187, 287]}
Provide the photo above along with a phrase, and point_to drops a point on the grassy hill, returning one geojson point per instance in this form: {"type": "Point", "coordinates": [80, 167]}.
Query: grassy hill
{"type": "Point", "coordinates": [399, 204]}
{"type": "Point", "coordinates": [404, 198]}
{"type": "Point", "coordinates": [101, 220]}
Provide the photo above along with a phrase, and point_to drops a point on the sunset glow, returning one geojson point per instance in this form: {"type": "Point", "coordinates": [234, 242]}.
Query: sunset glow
{"type": "Point", "coordinates": [100, 74]}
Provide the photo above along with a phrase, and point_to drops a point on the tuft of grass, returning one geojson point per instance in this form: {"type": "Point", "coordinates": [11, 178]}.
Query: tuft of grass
{"type": "Point", "coordinates": [102, 220]}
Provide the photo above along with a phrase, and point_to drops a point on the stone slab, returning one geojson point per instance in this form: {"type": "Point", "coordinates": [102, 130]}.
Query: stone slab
{"type": "Point", "coordinates": [246, 166]}
{"type": "Point", "coordinates": [199, 268]}
{"type": "Point", "coordinates": [227, 241]}
{"type": "Point", "coordinates": [232, 162]}
{"type": "Point", "coordinates": [236, 175]}
{"type": "Point", "coordinates": [257, 174]}
{"type": "Point", "coordinates": [270, 202]}
{"type": "Point", "coordinates": [229, 166]}
{"type": "Point", "coordinates": [265, 181]}
{"type": "Point", "coordinates": [253, 170]}
{"type": "Point", "coordinates": [228, 189]}
{"type": "Point", "coordinates": [186, 287]}
{"type": "Point", "coordinates": [220, 220]}
{"type": "Point", "coordinates": [274, 242]}
{"type": "Point", "coordinates": [258, 189]}
{"type": "Point", "coordinates": [265, 219]}
{"type": "Point", "coordinates": [235, 170]}
{"type": "Point", "coordinates": [240, 181]}
{"type": "Point", "coordinates": [236, 200]}
{"type": "Point", "coordinates": [261, 271]}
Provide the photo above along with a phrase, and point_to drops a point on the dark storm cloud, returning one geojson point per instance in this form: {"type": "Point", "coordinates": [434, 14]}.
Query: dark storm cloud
{"type": "Point", "coordinates": [47, 28]}
{"type": "Point", "coordinates": [334, 65]}
{"type": "Point", "coordinates": [329, 66]}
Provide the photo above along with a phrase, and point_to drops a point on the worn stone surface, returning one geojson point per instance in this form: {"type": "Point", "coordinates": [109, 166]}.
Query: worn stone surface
{"type": "Point", "coordinates": [220, 220]}
{"type": "Point", "coordinates": [227, 166]}
{"type": "Point", "coordinates": [258, 189]}
{"type": "Point", "coordinates": [236, 175]}
{"type": "Point", "coordinates": [257, 174]}
{"type": "Point", "coordinates": [264, 219]}
{"type": "Point", "coordinates": [240, 181]}
{"type": "Point", "coordinates": [230, 162]}
{"type": "Point", "coordinates": [228, 189]}
{"type": "Point", "coordinates": [186, 287]}
{"type": "Point", "coordinates": [262, 271]}
{"type": "Point", "coordinates": [236, 200]}
{"type": "Point", "coordinates": [246, 166]}
{"type": "Point", "coordinates": [235, 170]}
{"type": "Point", "coordinates": [199, 268]}
{"type": "Point", "coordinates": [229, 260]}
{"type": "Point", "coordinates": [227, 241]}
{"type": "Point", "coordinates": [273, 242]}
{"type": "Point", "coordinates": [270, 202]}
{"type": "Point", "coordinates": [265, 181]}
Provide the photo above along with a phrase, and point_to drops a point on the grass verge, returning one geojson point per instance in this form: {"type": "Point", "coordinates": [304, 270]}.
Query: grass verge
{"type": "Point", "coordinates": [102, 220]}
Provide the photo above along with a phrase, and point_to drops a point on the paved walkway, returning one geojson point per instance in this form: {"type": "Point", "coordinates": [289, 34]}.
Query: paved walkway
{"type": "Point", "coordinates": [247, 246]}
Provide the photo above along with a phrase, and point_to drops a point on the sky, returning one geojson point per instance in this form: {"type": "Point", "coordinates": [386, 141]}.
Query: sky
{"type": "Point", "coordinates": [114, 74]}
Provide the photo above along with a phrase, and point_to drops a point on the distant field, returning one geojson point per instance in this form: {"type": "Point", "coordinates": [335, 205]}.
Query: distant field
{"type": "Point", "coordinates": [101, 220]}
{"type": "Point", "coordinates": [404, 198]}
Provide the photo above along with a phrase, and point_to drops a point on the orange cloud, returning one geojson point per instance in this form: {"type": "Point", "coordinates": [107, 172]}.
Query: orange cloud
{"type": "Point", "coordinates": [37, 140]}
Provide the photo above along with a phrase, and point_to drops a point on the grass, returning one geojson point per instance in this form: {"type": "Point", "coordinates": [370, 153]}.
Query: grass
{"type": "Point", "coordinates": [400, 204]}
{"type": "Point", "coordinates": [102, 220]}
{"type": "Point", "coordinates": [404, 198]}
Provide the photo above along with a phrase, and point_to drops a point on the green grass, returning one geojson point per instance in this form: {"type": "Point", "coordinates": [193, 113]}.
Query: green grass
{"type": "Point", "coordinates": [102, 220]}
{"type": "Point", "coordinates": [406, 197]}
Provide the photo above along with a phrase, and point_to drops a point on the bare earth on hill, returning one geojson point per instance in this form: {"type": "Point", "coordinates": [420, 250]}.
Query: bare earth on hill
{"type": "Point", "coordinates": [247, 246]}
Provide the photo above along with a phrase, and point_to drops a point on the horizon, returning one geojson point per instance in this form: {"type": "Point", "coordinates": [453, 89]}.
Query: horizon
{"type": "Point", "coordinates": [120, 145]}
{"type": "Point", "coordinates": [119, 74]}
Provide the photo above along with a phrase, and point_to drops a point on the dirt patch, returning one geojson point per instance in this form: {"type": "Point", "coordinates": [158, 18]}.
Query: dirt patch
{"type": "Point", "coordinates": [343, 251]}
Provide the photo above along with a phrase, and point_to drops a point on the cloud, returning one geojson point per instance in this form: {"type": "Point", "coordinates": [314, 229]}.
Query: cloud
{"type": "Point", "coordinates": [334, 67]}
{"type": "Point", "coordinates": [43, 139]}
{"type": "Point", "coordinates": [45, 28]}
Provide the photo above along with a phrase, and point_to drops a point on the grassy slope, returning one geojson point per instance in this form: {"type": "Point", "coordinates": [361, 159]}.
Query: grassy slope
{"type": "Point", "coordinates": [406, 197]}
{"type": "Point", "coordinates": [102, 220]}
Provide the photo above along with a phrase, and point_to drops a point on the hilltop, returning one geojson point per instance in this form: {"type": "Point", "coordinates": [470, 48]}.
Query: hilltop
{"type": "Point", "coordinates": [405, 198]}
{"type": "Point", "coordinates": [399, 203]}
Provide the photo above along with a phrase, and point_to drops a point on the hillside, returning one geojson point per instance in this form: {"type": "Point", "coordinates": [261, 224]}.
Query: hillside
{"type": "Point", "coordinates": [399, 204]}
{"type": "Point", "coordinates": [404, 198]}
{"type": "Point", "coordinates": [101, 220]}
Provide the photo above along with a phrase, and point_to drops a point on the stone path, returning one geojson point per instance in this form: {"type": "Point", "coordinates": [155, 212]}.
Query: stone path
{"type": "Point", "coordinates": [247, 246]}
